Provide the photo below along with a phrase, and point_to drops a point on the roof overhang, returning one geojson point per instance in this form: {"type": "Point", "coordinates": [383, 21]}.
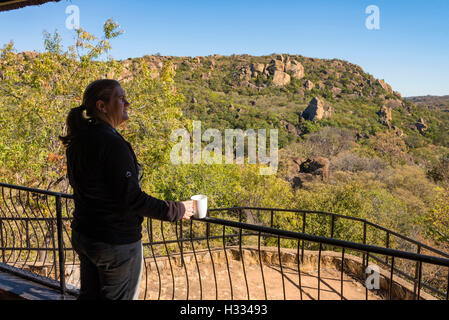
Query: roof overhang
{"type": "Point", "coordinates": [6, 5]}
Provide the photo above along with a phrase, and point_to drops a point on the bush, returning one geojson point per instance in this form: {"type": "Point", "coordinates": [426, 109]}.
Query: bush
{"type": "Point", "coordinates": [347, 161]}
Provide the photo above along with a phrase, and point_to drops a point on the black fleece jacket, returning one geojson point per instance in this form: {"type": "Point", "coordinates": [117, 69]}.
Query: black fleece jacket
{"type": "Point", "coordinates": [104, 174]}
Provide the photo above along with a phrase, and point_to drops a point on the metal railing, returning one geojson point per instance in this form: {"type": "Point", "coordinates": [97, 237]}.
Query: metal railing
{"type": "Point", "coordinates": [234, 253]}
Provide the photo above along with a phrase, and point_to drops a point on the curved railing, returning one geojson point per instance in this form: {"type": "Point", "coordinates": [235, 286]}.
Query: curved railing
{"type": "Point", "coordinates": [35, 243]}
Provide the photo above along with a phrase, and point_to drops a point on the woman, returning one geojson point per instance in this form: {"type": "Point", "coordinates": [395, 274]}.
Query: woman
{"type": "Point", "coordinates": [109, 204]}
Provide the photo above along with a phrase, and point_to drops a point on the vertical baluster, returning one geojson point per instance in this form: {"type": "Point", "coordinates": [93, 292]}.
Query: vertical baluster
{"type": "Point", "coordinates": [261, 267]}
{"type": "Point", "coordinates": [182, 243]}
{"type": "Point", "coordinates": [366, 287]}
{"type": "Point", "coordinates": [419, 279]}
{"type": "Point", "coordinates": [447, 289]}
{"type": "Point", "coordinates": [53, 242]}
{"type": "Point", "coordinates": [364, 240]}
{"type": "Point", "coordinates": [342, 271]}
{"type": "Point", "coordinates": [303, 231]}
{"type": "Point", "coordinates": [243, 262]}
{"type": "Point", "coordinates": [2, 243]}
{"type": "Point", "coordinates": [150, 228]}
{"type": "Point", "coordinates": [319, 270]}
{"type": "Point", "coordinates": [227, 263]}
{"type": "Point", "coordinates": [196, 260]}
{"type": "Point", "coordinates": [415, 285]}
{"type": "Point", "coordinates": [387, 245]}
{"type": "Point", "coordinates": [27, 235]}
{"type": "Point", "coordinates": [169, 260]}
{"type": "Point", "coordinates": [211, 259]}
{"type": "Point", "coordinates": [332, 225]}
{"type": "Point", "coordinates": [390, 289]}
{"type": "Point", "coordinates": [280, 266]}
{"type": "Point", "coordinates": [60, 244]}
{"type": "Point", "coordinates": [299, 271]}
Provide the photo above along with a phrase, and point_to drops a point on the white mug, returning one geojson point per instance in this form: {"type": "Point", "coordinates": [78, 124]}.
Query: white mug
{"type": "Point", "coordinates": [201, 205]}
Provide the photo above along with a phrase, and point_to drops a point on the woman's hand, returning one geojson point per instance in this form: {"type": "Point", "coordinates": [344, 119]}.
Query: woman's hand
{"type": "Point", "coordinates": [190, 206]}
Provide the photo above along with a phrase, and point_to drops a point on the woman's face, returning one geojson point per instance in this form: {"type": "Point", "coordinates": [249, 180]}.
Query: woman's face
{"type": "Point", "coordinates": [117, 107]}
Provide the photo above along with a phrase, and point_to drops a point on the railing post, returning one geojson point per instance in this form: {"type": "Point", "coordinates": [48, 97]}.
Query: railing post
{"type": "Point", "coordinates": [447, 289]}
{"type": "Point", "coordinates": [60, 245]}
{"type": "Point", "coordinates": [303, 231]}
{"type": "Point", "coordinates": [387, 245]}
{"type": "Point", "coordinates": [364, 242]}
{"type": "Point", "coordinates": [332, 226]}
{"type": "Point", "coordinates": [182, 243]}
{"type": "Point", "coordinates": [2, 244]}
{"type": "Point", "coordinates": [415, 285]}
{"type": "Point", "coordinates": [390, 289]}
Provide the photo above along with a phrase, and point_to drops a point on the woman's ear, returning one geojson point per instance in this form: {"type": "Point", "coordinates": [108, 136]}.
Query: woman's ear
{"type": "Point", "coordinates": [101, 106]}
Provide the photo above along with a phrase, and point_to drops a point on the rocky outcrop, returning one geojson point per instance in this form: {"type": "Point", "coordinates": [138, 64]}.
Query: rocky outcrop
{"type": "Point", "coordinates": [308, 85]}
{"type": "Point", "coordinates": [394, 103]}
{"type": "Point", "coordinates": [385, 116]}
{"type": "Point", "coordinates": [276, 65]}
{"type": "Point", "coordinates": [421, 125]}
{"type": "Point", "coordinates": [295, 68]}
{"type": "Point", "coordinates": [398, 131]}
{"type": "Point", "coordinates": [280, 78]}
{"type": "Point", "coordinates": [301, 171]}
{"type": "Point", "coordinates": [336, 90]}
{"type": "Point", "coordinates": [316, 110]}
{"type": "Point", "coordinates": [290, 128]}
{"type": "Point", "coordinates": [245, 73]}
{"type": "Point", "coordinates": [281, 68]}
{"type": "Point", "coordinates": [256, 69]}
{"type": "Point", "coordinates": [385, 86]}
{"type": "Point", "coordinates": [318, 166]}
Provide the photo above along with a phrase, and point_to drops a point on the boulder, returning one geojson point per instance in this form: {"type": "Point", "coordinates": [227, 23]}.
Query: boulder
{"type": "Point", "coordinates": [385, 116]}
{"type": "Point", "coordinates": [280, 57]}
{"type": "Point", "coordinates": [290, 127]}
{"type": "Point", "coordinates": [300, 171]}
{"type": "Point", "coordinates": [399, 133]}
{"type": "Point", "coordinates": [296, 69]}
{"type": "Point", "coordinates": [336, 90]}
{"type": "Point", "coordinates": [276, 65]}
{"type": "Point", "coordinates": [280, 78]}
{"type": "Point", "coordinates": [257, 67]}
{"type": "Point", "coordinates": [308, 85]}
{"type": "Point", "coordinates": [245, 73]}
{"type": "Point", "coordinates": [318, 166]}
{"type": "Point", "coordinates": [316, 110]}
{"type": "Point", "coordinates": [385, 86]}
{"type": "Point", "coordinates": [394, 103]}
{"type": "Point", "coordinates": [421, 125]}
{"type": "Point", "coordinates": [328, 113]}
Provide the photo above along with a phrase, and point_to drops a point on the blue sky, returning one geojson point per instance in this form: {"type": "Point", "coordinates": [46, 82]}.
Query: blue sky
{"type": "Point", "coordinates": [410, 50]}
